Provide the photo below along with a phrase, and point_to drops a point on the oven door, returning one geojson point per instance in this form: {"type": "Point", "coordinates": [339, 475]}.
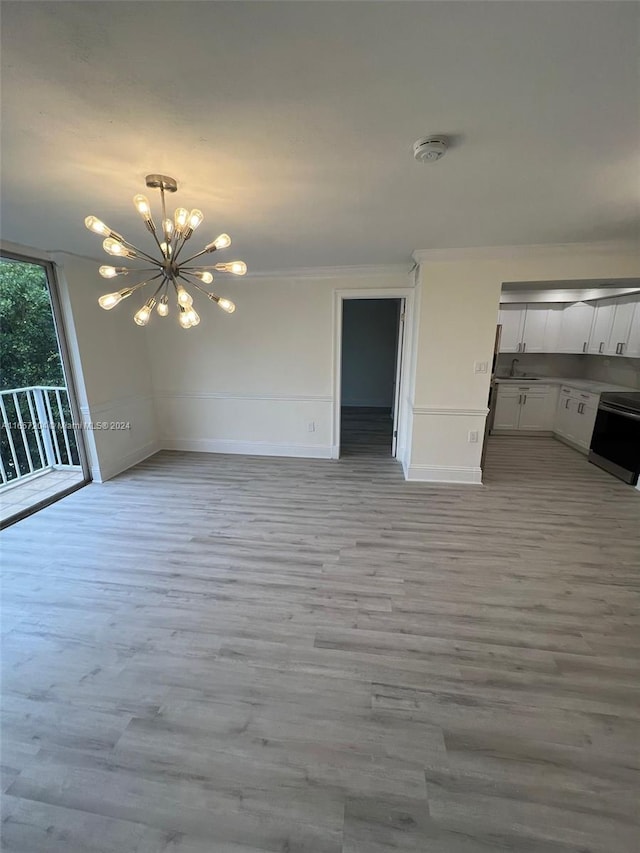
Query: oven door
{"type": "Point", "coordinates": [615, 443]}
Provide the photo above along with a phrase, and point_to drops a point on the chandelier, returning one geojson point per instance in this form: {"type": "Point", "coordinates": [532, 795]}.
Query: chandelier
{"type": "Point", "coordinates": [172, 272]}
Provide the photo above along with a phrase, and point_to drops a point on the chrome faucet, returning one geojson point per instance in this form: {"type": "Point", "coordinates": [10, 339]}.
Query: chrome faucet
{"type": "Point", "coordinates": [514, 361]}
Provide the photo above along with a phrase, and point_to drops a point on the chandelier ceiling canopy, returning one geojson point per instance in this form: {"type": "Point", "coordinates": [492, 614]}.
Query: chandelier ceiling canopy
{"type": "Point", "coordinates": [169, 271]}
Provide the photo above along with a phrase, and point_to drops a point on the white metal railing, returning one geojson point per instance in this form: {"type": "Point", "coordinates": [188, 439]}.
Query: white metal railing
{"type": "Point", "coordinates": [36, 432]}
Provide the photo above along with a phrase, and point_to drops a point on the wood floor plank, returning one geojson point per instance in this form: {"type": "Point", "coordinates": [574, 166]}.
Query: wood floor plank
{"type": "Point", "coordinates": [224, 654]}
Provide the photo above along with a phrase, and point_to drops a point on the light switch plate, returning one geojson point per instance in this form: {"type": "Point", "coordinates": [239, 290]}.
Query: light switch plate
{"type": "Point", "coordinates": [481, 366]}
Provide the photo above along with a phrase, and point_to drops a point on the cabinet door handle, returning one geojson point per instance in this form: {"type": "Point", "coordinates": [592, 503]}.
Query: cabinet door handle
{"type": "Point", "coordinates": [518, 347]}
{"type": "Point", "coordinates": [524, 346]}
{"type": "Point", "coordinates": [580, 408]}
{"type": "Point", "coordinates": [584, 346]}
{"type": "Point", "coordinates": [622, 346]}
{"type": "Point", "coordinates": [519, 399]}
{"type": "Point", "coordinates": [525, 400]}
{"type": "Point", "coordinates": [566, 403]}
{"type": "Point", "coordinates": [601, 345]}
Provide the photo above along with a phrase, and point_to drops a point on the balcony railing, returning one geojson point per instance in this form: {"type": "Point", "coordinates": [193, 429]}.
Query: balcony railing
{"type": "Point", "coordinates": [36, 433]}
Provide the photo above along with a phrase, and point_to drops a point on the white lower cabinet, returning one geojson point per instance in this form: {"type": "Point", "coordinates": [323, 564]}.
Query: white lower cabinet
{"type": "Point", "coordinates": [529, 408]}
{"type": "Point", "coordinates": [576, 416]}
{"type": "Point", "coordinates": [536, 411]}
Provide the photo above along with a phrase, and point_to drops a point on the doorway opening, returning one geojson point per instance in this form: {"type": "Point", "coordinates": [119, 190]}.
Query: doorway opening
{"type": "Point", "coordinates": [42, 456]}
{"type": "Point", "coordinates": [370, 376]}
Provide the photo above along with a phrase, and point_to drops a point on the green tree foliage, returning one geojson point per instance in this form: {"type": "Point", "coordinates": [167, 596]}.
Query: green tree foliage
{"type": "Point", "coordinates": [28, 345]}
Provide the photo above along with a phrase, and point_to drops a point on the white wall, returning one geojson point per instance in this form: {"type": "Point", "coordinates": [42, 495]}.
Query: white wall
{"type": "Point", "coordinates": [459, 293]}
{"type": "Point", "coordinates": [261, 380]}
{"type": "Point", "coordinates": [255, 381]}
{"type": "Point", "coordinates": [369, 344]}
{"type": "Point", "coordinates": [110, 363]}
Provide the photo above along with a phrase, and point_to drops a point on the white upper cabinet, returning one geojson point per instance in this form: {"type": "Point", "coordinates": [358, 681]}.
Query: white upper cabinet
{"type": "Point", "coordinates": [530, 328]}
{"type": "Point", "coordinates": [632, 350]}
{"type": "Point", "coordinates": [535, 327]}
{"type": "Point", "coordinates": [511, 318]}
{"type": "Point", "coordinates": [602, 325]}
{"type": "Point", "coordinates": [614, 326]}
{"type": "Point", "coordinates": [553, 328]}
{"type": "Point", "coordinates": [621, 327]}
{"type": "Point", "coordinates": [577, 319]}
{"type": "Point", "coordinates": [606, 327]}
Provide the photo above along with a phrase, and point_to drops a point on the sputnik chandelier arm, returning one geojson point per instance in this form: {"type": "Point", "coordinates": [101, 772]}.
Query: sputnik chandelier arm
{"type": "Point", "coordinates": [170, 239]}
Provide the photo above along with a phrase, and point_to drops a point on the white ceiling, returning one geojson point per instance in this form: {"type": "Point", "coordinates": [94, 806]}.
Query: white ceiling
{"type": "Point", "coordinates": [291, 124]}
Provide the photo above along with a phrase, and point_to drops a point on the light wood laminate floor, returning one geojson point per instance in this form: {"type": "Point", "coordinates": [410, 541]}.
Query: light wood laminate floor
{"type": "Point", "coordinates": [224, 654]}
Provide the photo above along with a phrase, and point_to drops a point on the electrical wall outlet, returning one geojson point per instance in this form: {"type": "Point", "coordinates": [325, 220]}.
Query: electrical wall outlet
{"type": "Point", "coordinates": [473, 436]}
{"type": "Point", "coordinates": [481, 367]}
{"type": "Point", "coordinates": [311, 426]}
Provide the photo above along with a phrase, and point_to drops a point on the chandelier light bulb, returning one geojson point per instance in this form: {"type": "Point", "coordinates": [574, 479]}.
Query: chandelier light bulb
{"type": "Point", "coordinates": [183, 319]}
{"type": "Point", "coordinates": [141, 204]}
{"type": "Point", "coordinates": [97, 226]}
{"type": "Point", "coordinates": [163, 306]}
{"type": "Point", "coordinates": [204, 275]}
{"type": "Point", "coordinates": [235, 267]}
{"type": "Point", "coordinates": [167, 227]}
{"type": "Point", "coordinates": [181, 217]}
{"type": "Point", "coordinates": [195, 218]}
{"type": "Point", "coordinates": [184, 298]}
{"type": "Point", "coordinates": [115, 247]}
{"type": "Point", "coordinates": [193, 317]}
{"type": "Point", "coordinates": [226, 305]}
{"type": "Point", "coordinates": [222, 241]}
{"type": "Point", "coordinates": [111, 272]}
{"type": "Point", "coordinates": [142, 316]}
{"type": "Point", "coordinates": [166, 249]}
{"type": "Point", "coordinates": [109, 300]}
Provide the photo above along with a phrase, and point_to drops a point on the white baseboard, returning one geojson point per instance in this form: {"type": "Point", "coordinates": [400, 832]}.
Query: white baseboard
{"type": "Point", "coordinates": [107, 472]}
{"type": "Point", "coordinates": [570, 443]}
{"type": "Point", "coordinates": [248, 448]}
{"type": "Point", "coordinates": [444, 474]}
{"type": "Point", "coordinates": [525, 433]}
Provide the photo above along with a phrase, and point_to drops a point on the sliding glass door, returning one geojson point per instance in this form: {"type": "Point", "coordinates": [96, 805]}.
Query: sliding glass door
{"type": "Point", "coordinates": [42, 455]}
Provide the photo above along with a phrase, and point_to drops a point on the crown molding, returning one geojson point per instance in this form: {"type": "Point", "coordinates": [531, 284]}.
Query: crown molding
{"type": "Point", "coordinates": [51, 255]}
{"type": "Point", "coordinates": [354, 271]}
{"type": "Point", "coordinates": [533, 250]}
{"type": "Point", "coordinates": [26, 251]}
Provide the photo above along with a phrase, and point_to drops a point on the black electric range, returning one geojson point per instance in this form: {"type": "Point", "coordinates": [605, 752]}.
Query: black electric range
{"type": "Point", "coordinates": [615, 443]}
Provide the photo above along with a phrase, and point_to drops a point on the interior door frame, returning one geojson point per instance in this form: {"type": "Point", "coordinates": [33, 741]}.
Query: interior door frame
{"type": "Point", "coordinates": [339, 297]}
{"type": "Point", "coordinates": [397, 382]}
{"type": "Point", "coordinates": [67, 369]}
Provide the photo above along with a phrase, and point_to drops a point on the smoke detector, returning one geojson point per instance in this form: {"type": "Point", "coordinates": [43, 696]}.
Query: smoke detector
{"type": "Point", "coordinates": [428, 149]}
